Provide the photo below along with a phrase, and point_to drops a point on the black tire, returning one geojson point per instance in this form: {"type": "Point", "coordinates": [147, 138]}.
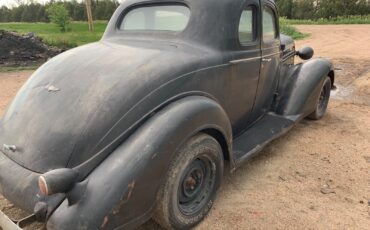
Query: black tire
{"type": "Point", "coordinates": [193, 178]}
{"type": "Point", "coordinates": [322, 102]}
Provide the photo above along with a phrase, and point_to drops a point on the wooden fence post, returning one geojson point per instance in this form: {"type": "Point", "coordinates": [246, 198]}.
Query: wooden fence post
{"type": "Point", "coordinates": [89, 15]}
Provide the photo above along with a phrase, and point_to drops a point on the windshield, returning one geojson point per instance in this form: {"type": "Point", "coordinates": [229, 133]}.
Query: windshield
{"type": "Point", "coordinates": [159, 17]}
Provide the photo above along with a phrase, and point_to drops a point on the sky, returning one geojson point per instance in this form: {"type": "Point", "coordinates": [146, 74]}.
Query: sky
{"type": "Point", "coordinates": [14, 2]}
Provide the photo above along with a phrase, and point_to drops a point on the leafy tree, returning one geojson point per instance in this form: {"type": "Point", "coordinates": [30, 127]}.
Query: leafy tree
{"type": "Point", "coordinates": [59, 15]}
{"type": "Point", "coordinates": [31, 11]}
{"type": "Point", "coordinates": [5, 14]}
{"type": "Point", "coordinates": [304, 9]}
{"type": "Point", "coordinates": [110, 7]}
{"type": "Point", "coordinates": [99, 9]}
{"type": "Point", "coordinates": [285, 8]}
{"type": "Point", "coordinates": [16, 15]}
{"type": "Point", "coordinates": [363, 7]}
{"type": "Point", "coordinates": [41, 14]}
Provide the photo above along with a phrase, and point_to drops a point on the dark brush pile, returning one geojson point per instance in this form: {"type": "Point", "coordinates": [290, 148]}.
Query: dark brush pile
{"type": "Point", "coordinates": [23, 50]}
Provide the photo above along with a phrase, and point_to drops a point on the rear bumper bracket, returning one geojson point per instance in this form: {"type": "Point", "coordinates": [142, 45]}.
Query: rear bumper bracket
{"type": "Point", "coordinates": [7, 224]}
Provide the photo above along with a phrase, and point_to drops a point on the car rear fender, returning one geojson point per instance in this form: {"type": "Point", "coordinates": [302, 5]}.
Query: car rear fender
{"type": "Point", "coordinates": [122, 190]}
{"type": "Point", "coordinates": [300, 87]}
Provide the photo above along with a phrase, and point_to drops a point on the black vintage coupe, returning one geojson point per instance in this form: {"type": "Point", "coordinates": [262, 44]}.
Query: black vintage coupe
{"type": "Point", "coordinates": [140, 124]}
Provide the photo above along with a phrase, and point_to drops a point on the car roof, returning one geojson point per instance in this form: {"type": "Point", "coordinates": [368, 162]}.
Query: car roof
{"type": "Point", "coordinates": [212, 22]}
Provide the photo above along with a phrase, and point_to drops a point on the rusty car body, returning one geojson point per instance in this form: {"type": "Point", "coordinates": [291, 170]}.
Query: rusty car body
{"type": "Point", "coordinates": [90, 139]}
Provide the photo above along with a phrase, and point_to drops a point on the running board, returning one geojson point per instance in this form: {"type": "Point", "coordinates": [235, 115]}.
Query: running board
{"type": "Point", "coordinates": [270, 127]}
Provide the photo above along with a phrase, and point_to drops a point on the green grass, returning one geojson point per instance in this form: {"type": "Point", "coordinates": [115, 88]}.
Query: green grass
{"type": "Point", "coordinates": [292, 31]}
{"type": "Point", "coordinates": [77, 34]}
{"type": "Point", "coordinates": [334, 21]}
{"type": "Point", "coordinates": [18, 68]}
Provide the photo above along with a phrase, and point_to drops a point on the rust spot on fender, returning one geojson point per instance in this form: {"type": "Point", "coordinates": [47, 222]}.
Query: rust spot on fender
{"type": "Point", "coordinates": [51, 88]}
{"type": "Point", "coordinates": [130, 187]}
{"type": "Point", "coordinates": [124, 198]}
{"type": "Point", "coordinates": [105, 222]}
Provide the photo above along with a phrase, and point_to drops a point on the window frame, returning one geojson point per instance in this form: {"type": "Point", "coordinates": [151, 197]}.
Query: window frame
{"type": "Point", "coordinates": [123, 14]}
{"type": "Point", "coordinates": [254, 25]}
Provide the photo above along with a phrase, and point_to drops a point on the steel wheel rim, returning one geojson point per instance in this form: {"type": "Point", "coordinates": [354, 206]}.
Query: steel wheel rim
{"type": "Point", "coordinates": [196, 185]}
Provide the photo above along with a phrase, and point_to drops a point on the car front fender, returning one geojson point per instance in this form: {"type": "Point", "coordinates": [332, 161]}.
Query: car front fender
{"type": "Point", "coordinates": [301, 87]}
{"type": "Point", "coordinates": [121, 191]}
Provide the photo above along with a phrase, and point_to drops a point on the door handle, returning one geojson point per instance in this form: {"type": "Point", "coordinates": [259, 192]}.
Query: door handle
{"type": "Point", "coordinates": [266, 59]}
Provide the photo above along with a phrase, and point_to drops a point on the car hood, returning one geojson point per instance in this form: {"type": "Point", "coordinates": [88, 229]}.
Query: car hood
{"type": "Point", "coordinates": [73, 106]}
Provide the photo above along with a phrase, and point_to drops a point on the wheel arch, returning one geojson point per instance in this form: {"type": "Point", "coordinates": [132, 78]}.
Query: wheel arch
{"type": "Point", "coordinates": [302, 86]}
{"type": "Point", "coordinates": [221, 139]}
{"type": "Point", "coordinates": [135, 170]}
{"type": "Point", "coordinates": [331, 75]}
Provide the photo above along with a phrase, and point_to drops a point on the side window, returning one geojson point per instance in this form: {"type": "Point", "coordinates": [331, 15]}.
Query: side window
{"type": "Point", "coordinates": [247, 32]}
{"type": "Point", "coordinates": [269, 24]}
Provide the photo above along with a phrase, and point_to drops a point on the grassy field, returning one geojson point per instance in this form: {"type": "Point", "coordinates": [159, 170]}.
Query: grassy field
{"type": "Point", "coordinates": [19, 68]}
{"type": "Point", "coordinates": [292, 31]}
{"type": "Point", "coordinates": [76, 35]}
{"type": "Point", "coordinates": [334, 21]}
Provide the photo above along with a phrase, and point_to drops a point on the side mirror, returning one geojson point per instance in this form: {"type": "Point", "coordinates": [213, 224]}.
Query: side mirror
{"type": "Point", "coordinates": [305, 53]}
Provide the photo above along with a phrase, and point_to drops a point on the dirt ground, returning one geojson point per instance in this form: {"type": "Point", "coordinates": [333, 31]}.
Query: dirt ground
{"type": "Point", "coordinates": [315, 177]}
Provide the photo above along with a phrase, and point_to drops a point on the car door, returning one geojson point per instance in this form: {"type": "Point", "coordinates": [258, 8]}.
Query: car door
{"type": "Point", "coordinates": [245, 66]}
{"type": "Point", "coordinates": [271, 54]}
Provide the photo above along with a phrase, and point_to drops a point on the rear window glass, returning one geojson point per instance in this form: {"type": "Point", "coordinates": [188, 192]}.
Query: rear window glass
{"type": "Point", "coordinates": [160, 17]}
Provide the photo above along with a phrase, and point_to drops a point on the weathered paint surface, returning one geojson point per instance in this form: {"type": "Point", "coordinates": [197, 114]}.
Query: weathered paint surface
{"type": "Point", "coordinates": [117, 110]}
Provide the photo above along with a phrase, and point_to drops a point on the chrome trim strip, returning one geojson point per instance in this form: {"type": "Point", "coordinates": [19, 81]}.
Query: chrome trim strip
{"type": "Point", "coordinates": [244, 60]}
{"type": "Point", "coordinates": [252, 59]}
{"type": "Point", "coordinates": [287, 56]}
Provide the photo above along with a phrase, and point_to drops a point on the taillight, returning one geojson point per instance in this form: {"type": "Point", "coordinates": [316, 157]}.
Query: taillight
{"type": "Point", "coordinates": [57, 181]}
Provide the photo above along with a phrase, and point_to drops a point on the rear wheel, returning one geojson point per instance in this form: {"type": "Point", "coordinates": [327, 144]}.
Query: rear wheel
{"type": "Point", "coordinates": [323, 101]}
{"type": "Point", "coordinates": [191, 185]}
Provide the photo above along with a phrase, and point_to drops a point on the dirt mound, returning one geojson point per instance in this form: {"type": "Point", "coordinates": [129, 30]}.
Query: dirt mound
{"type": "Point", "coordinates": [23, 50]}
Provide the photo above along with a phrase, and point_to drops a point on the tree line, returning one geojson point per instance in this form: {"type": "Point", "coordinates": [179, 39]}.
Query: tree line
{"type": "Point", "coordinates": [103, 9]}
{"type": "Point", "coordinates": [316, 9]}
{"type": "Point", "coordinates": [36, 12]}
